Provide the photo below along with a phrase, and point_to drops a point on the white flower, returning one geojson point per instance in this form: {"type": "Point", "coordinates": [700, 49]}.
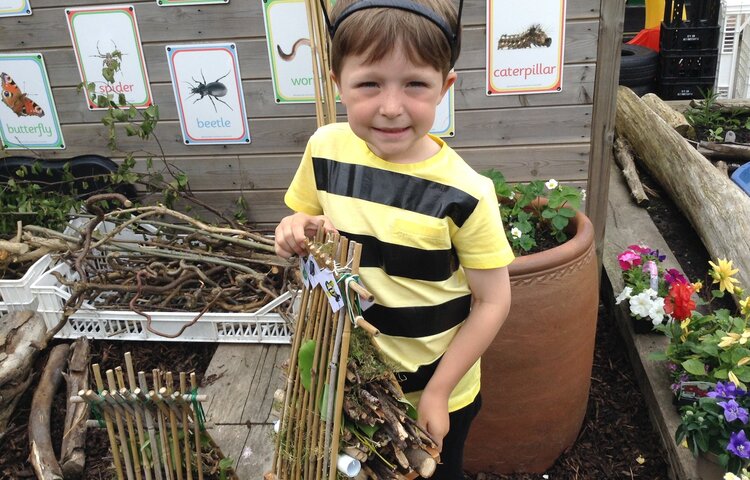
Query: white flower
{"type": "Point", "coordinates": [656, 312]}
{"type": "Point", "coordinates": [583, 194]}
{"type": "Point", "coordinates": [624, 295]}
{"type": "Point", "coordinates": [551, 184]}
{"type": "Point", "coordinates": [516, 232]}
{"type": "Point", "coordinates": [641, 304]}
{"type": "Point", "coordinates": [651, 293]}
{"type": "Point", "coordinates": [512, 195]}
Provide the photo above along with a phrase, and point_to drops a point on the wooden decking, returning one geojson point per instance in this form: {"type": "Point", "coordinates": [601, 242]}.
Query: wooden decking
{"type": "Point", "coordinates": [241, 381]}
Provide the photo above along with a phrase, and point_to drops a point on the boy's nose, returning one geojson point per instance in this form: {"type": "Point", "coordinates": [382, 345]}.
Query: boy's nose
{"type": "Point", "coordinates": [391, 106]}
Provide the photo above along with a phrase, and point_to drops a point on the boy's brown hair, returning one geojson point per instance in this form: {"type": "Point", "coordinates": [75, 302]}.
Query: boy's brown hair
{"type": "Point", "coordinates": [378, 31]}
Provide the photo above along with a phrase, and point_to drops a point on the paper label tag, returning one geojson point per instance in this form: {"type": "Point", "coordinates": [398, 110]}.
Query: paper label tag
{"type": "Point", "coordinates": [331, 289]}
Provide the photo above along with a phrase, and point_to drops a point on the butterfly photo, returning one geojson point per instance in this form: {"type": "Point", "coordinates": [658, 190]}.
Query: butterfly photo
{"type": "Point", "coordinates": [16, 100]}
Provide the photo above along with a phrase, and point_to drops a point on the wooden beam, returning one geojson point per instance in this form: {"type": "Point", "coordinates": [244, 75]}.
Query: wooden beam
{"type": "Point", "coordinates": [612, 13]}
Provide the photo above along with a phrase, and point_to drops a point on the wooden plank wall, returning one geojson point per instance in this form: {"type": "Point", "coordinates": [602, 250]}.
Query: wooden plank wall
{"type": "Point", "coordinates": [525, 136]}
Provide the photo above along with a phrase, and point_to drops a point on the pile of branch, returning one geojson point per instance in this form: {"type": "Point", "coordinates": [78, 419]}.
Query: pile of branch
{"type": "Point", "coordinates": [372, 398]}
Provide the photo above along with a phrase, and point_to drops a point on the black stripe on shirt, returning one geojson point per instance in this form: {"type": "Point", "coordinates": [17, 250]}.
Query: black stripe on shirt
{"type": "Point", "coordinates": [403, 261]}
{"type": "Point", "coordinates": [416, 381]}
{"type": "Point", "coordinates": [393, 189]}
{"type": "Point", "coordinates": [415, 322]}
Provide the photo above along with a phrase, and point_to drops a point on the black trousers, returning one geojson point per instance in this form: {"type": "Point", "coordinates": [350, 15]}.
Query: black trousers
{"type": "Point", "coordinates": [452, 456]}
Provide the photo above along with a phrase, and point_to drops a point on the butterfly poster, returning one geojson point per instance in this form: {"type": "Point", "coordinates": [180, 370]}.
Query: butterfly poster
{"type": "Point", "coordinates": [14, 8]}
{"type": "Point", "coordinates": [28, 118]}
{"type": "Point", "coordinates": [108, 51]}
{"type": "Point", "coordinates": [175, 3]}
{"type": "Point", "coordinates": [525, 47]}
{"type": "Point", "coordinates": [208, 90]}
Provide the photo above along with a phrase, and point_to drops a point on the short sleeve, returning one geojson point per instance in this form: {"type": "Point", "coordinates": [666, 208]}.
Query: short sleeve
{"type": "Point", "coordinates": [480, 242]}
{"type": "Point", "coordinates": [302, 195]}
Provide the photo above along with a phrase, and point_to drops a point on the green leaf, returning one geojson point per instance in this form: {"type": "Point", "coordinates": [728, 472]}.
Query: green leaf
{"type": "Point", "coordinates": [560, 222]}
{"type": "Point", "coordinates": [694, 366]}
{"type": "Point", "coordinates": [305, 362]}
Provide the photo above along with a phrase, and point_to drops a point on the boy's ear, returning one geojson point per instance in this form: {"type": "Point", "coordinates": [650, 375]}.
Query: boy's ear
{"type": "Point", "coordinates": [450, 79]}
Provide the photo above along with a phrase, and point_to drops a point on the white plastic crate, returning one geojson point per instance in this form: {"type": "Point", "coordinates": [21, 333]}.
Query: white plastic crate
{"type": "Point", "coordinates": [259, 327]}
{"type": "Point", "coordinates": [16, 295]}
{"type": "Point", "coordinates": [733, 74]}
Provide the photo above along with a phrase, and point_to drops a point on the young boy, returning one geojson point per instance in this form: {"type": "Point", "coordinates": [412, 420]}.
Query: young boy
{"type": "Point", "coordinates": [434, 252]}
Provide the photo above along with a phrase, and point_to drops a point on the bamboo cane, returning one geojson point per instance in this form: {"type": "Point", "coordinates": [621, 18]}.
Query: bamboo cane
{"type": "Point", "coordinates": [110, 425]}
{"type": "Point", "coordinates": [162, 416]}
{"type": "Point", "coordinates": [138, 416]}
{"type": "Point", "coordinates": [197, 431]}
{"type": "Point", "coordinates": [129, 417]}
{"type": "Point", "coordinates": [319, 115]}
{"type": "Point", "coordinates": [312, 411]}
{"type": "Point", "coordinates": [153, 440]}
{"type": "Point", "coordinates": [185, 426]}
{"type": "Point", "coordinates": [177, 457]}
{"type": "Point", "coordinates": [120, 425]}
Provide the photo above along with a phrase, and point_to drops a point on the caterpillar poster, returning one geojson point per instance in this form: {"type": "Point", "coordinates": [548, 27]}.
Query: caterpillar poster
{"type": "Point", "coordinates": [525, 47]}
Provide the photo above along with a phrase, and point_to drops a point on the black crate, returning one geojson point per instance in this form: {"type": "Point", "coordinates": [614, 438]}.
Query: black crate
{"type": "Point", "coordinates": [684, 88]}
{"type": "Point", "coordinates": [688, 38]}
{"type": "Point", "coordinates": [688, 64]}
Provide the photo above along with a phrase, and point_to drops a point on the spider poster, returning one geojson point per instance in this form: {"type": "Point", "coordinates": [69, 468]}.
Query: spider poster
{"type": "Point", "coordinates": [28, 118]}
{"type": "Point", "coordinates": [108, 51]}
{"type": "Point", "coordinates": [208, 90]}
{"type": "Point", "coordinates": [14, 8]}
{"type": "Point", "coordinates": [525, 46]}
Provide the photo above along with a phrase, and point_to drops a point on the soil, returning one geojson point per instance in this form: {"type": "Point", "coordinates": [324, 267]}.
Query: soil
{"type": "Point", "coordinates": [617, 440]}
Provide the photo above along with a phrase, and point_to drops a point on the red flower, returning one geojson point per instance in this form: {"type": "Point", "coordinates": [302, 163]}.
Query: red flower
{"type": "Point", "coordinates": [678, 302]}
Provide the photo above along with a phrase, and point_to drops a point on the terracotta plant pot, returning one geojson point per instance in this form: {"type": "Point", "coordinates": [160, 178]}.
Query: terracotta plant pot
{"type": "Point", "coordinates": [536, 374]}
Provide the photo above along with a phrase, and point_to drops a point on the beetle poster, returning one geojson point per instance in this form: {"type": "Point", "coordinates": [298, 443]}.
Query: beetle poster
{"type": "Point", "coordinates": [28, 117]}
{"type": "Point", "coordinates": [176, 3]}
{"type": "Point", "coordinates": [208, 90]}
{"type": "Point", "coordinates": [108, 51]}
{"type": "Point", "coordinates": [14, 8]}
{"type": "Point", "coordinates": [525, 47]}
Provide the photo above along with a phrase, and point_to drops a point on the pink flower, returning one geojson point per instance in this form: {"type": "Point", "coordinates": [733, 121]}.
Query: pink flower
{"type": "Point", "coordinates": [639, 249]}
{"type": "Point", "coordinates": [629, 259]}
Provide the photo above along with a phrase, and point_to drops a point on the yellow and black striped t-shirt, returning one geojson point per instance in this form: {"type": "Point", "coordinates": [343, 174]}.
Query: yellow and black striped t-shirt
{"type": "Point", "coordinates": [419, 224]}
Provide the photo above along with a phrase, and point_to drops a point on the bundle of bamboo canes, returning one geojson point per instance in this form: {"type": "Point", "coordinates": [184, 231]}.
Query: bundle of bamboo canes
{"type": "Point", "coordinates": [154, 433]}
{"type": "Point", "coordinates": [325, 94]}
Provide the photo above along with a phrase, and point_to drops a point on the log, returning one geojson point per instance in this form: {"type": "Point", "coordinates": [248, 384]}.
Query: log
{"type": "Point", "coordinates": [42, 455]}
{"type": "Point", "coordinates": [422, 462]}
{"type": "Point", "coordinates": [21, 338]}
{"type": "Point", "coordinates": [624, 159]}
{"type": "Point", "coordinates": [722, 167]}
{"type": "Point", "coordinates": [718, 210]}
{"type": "Point", "coordinates": [72, 452]}
{"type": "Point", "coordinates": [726, 151]}
{"type": "Point", "coordinates": [673, 118]}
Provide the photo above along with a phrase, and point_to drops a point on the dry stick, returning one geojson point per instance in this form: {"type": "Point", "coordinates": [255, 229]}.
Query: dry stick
{"type": "Point", "coordinates": [175, 434]}
{"type": "Point", "coordinates": [108, 422]}
{"type": "Point", "coordinates": [343, 360]}
{"type": "Point", "coordinates": [196, 430]}
{"type": "Point", "coordinates": [185, 426]}
{"type": "Point", "coordinates": [153, 441]}
{"type": "Point", "coordinates": [118, 412]}
{"type": "Point", "coordinates": [134, 443]}
{"type": "Point", "coordinates": [162, 416]}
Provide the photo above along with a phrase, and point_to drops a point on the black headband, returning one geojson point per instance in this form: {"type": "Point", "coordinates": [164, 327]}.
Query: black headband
{"type": "Point", "coordinates": [408, 6]}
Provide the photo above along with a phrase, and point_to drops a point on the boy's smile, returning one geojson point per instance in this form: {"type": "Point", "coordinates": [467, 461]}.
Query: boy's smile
{"type": "Point", "coordinates": [391, 104]}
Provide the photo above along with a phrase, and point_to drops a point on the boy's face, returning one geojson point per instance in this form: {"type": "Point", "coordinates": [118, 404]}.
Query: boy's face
{"type": "Point", "coordinates": [391, 103]}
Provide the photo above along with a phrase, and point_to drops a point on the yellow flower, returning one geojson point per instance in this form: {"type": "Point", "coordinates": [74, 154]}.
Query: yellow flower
{"type": "Point", "coordinates": [722, 274]}
{"type": "Point", "coordinates": [743, 361]}
{"type": "Point", "coordinates": [733, 378]}
{"type": "Point", "coordinates": [685, 330]}
{"type": "Point", "coordinates": [697, 286]}
{"type": "Point", "coordinates": [744, 337]}
{"type": "Point", "coordinates": [729, 340]}
{"type": "Point", "coordinates": [745, 306]}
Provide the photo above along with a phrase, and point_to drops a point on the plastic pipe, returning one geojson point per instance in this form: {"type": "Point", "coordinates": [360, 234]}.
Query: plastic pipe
{"type": "Point", "coordinates": [348, 466]}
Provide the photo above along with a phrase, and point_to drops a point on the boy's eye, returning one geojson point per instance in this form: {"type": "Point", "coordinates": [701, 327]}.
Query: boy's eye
{"type": "Point", "coordinates": [417, 84]}
{"type": "Point", "coordinates": [367, 85]}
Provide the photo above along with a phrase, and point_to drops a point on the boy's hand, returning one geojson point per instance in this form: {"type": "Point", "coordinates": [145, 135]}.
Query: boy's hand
{"type": "Point", "coordinates": [292, 231]}
{"type": "Point", "coordinates": [432, 414]}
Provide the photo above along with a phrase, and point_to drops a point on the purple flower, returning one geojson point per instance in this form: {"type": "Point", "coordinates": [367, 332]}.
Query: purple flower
{"type": "Point", "coordinates": [672, 276]}
{"type": "Point", "coordinates": [733, 411]}
{"type": "Point", "coordinates": [655, 254]}
{"type": "Point", "coordinates": [739, 445]}
{"type": "Point", "coordinates": [727, 390]}
{"type": "Point", "coordinates": [672, 367]}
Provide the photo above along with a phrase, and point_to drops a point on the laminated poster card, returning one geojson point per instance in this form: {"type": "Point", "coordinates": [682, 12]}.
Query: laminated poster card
{"type": "Point", "coordinates": [14, 8]}
{"type": "Point", "coordinates": [525, 46]}
{"type": "Point", "coordinates": [208, 91]}
{"type": "Point", "coordinates": [177, 3]}
{"type": "Point", "coordinates": [106, 39]}
{"type": "Point", "coordinates": [28, 117]}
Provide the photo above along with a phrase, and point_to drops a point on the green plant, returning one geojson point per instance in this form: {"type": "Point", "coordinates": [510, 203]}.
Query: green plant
{"type": "Point", "coordinates": [535, 214]}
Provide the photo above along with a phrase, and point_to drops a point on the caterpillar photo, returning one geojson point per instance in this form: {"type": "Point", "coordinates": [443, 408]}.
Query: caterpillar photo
{"type": "Point", "coordinates": [534, 36]}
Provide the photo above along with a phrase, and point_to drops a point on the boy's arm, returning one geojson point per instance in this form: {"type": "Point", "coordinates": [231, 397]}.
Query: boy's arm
{"type": "Point", "coordinates": [491, 302]}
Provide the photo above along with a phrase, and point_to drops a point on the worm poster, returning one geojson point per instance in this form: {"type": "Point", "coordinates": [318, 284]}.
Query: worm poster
{"type": "Point", "coordinates": [108, 50]}
{"type": "Point", "coordinates": [175, 3]}
{"type": "Point", "coordinates": [208, 90]}
{"type": "Point", "coordinates": [28, 118]}
{"type": "Point", "coordinates": [525, 46]}
{"type": "Point", "coordinates": [14, 8]}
